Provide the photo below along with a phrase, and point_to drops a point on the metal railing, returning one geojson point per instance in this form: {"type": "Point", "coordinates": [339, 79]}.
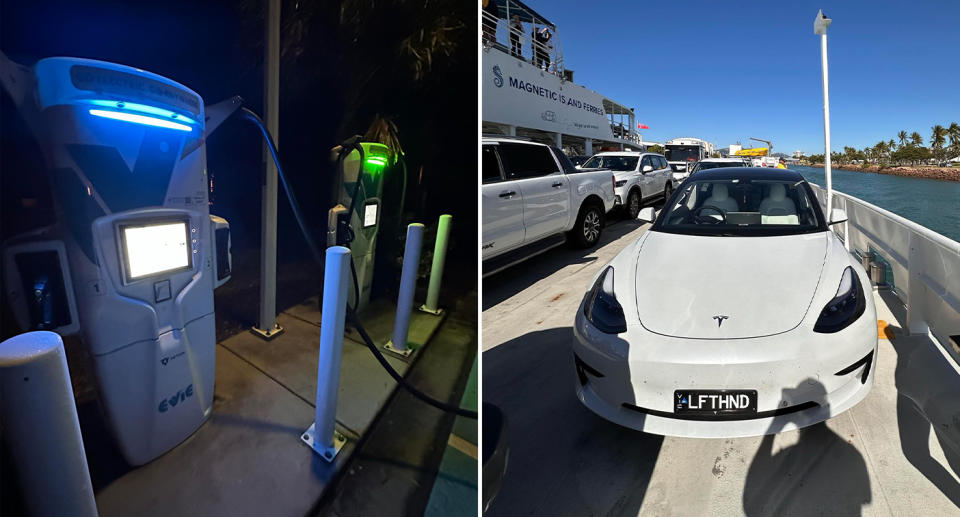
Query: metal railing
{"type": "Point", "coordinates": [924, 264]}
{"type": "Point", "coordinates": [500, 34]}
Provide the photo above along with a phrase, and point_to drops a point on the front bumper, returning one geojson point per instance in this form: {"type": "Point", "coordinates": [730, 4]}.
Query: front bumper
{"type": "Point", "coordinates": [630, 378]}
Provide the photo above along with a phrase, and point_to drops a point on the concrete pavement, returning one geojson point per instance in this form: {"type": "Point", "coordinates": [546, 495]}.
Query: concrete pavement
{"type": "Point", "coordinates": [879, 458]}
{"type": "Point", "coordinates": [248, 459]}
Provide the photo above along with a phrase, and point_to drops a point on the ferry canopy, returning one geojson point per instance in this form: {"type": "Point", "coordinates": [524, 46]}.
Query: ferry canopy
{"type": "Point", "coordinates": [507, 8]}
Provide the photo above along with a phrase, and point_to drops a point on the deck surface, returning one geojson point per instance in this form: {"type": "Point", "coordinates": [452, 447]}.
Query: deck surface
{"type": "Point", "coordinates": [880, 458]}
{"type": "Point", "coordinates": [248, 459]}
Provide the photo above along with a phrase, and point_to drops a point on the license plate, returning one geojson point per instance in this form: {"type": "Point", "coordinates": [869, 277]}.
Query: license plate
{"type": "Point", "coordinates": [715, 401]}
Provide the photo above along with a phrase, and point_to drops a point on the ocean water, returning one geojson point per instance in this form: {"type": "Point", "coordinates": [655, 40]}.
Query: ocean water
{"type": "Point", "coordinates": [931, 203]}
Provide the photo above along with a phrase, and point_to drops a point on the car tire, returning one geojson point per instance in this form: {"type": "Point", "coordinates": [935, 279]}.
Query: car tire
{"type": "Point", "coordinates": [586, 231]}
{"type": "Point", "coordinates": [633, 204]}
{"type": "Point", "coordinates": [667, 190]}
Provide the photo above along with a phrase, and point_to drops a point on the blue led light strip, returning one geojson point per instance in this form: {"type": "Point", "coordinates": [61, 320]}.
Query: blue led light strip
{"type": "Point", "coordinates": [140, 119]}
{"type": "Point", "coordinates": [142, 108]}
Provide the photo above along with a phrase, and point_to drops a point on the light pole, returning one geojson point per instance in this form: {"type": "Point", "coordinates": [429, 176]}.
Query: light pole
{"type": "Point", "coordinates": [820, 25]}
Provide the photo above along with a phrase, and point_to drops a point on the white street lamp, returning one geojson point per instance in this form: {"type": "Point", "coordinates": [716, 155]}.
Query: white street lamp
{"type": "Point", "coordinates": [820, 25]}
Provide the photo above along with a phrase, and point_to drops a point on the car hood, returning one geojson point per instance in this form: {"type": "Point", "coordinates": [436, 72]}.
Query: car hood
{"type": "Point", "coordinates": [685, 284]}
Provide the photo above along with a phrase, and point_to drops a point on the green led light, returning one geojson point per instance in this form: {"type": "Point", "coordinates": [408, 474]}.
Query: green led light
{"type": "Point", "coordinates": [376, 160]}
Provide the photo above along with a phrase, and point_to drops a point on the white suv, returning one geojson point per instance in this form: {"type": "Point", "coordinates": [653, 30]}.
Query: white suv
{"type": "Point", "coordinates": [640, 177]}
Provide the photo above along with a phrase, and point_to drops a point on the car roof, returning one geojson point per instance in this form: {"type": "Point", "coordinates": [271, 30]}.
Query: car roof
{"type": "Point", "coordinates": [625, 153]}
{"type": "Point", "coordinates": [722, 160]}
{"type": "Point", "coordinates": [752, 173]}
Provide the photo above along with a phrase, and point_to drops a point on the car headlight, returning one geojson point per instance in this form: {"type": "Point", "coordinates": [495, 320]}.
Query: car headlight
{"type": "Point", "coordinates": [845, 307]}
{"type": "Point", "coordinates": [621, 183]}
{"type": "Point", "coordinates": [602, 308]}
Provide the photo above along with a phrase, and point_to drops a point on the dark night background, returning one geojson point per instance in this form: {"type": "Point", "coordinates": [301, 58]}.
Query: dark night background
{"type": "Point", "coordinates": [343, 65]}
{"type": "Point", "coordinates": [346, 68]}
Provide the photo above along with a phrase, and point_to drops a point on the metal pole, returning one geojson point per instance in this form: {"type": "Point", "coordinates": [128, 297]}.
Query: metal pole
{"type": "Point", "coordinates": [826, 124]}
{"type": "Point", "coordinates": [436, 269]}
{"type": "Point", "coordinates": [322, 435]}
{"type": "Point", "coordinates": [267, 326]}
{"type": "Point", "coordinates": [408, 283]}
{"type": "Point", "coordinates": [820, 25]}
{"type": "Point", "coordinates": [40, 422]}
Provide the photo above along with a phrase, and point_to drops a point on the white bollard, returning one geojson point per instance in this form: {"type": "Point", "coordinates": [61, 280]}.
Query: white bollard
{"type": "Point", "coordinates": [436, 268]}
{"type": "Point", "coordinates": [322, 435]}
{"type": "Point", "coordinates": [408, 284]}
{"type": "Point", "coordinates": [39, 418]}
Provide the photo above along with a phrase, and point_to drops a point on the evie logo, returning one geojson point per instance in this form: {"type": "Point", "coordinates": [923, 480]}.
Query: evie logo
{"type": "Point", "coordinates": [498, 80]}
{"type": "Point", "coordinates": [180, 396]}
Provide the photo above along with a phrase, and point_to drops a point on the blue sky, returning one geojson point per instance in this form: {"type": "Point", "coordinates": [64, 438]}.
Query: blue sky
{"type": "Point", "coordinates": [727, 71]}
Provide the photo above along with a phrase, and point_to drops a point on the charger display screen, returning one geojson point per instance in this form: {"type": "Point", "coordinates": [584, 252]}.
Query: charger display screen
{"type": "Point", "coordinates": [150, 249]}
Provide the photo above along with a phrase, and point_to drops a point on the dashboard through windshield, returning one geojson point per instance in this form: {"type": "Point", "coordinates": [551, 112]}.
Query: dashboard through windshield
{"type": "Point", "coordinates": [742, 207]}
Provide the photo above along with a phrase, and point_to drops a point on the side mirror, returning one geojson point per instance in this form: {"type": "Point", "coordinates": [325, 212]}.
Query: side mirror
{"type": "Point", "coordinates": [647, 168]}
{"type": "Point", "coordinates": [839, 215]}
{"type": "Point", "coordinates": [647, 215]}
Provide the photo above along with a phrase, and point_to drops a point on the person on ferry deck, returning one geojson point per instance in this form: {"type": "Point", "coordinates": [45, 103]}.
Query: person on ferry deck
{"type": "Point", "coordinates": [540, 38]}
{"type": "Point", "coordinates": [782, 164]}
{"type": "Point", "coordinates": [516, 29]}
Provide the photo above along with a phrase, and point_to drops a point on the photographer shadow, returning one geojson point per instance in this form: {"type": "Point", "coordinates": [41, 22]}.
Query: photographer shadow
{"type": "Point", "coordinates": [821, 474]}
{"type": "Point", "coordinates": [927, 388]}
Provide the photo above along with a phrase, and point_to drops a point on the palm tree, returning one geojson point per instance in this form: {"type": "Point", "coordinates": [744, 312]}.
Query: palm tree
{"type": "Point", "coordinates": [902, 136]}
{"type": "Point", "coordinates": [916, 139]}
{"type": "Point", "coordinates": [881, 149]}
{"type": "Point", "coordinates": [954, 133]}
{"type": "Point", "coordinates": [891, 145]}
{"type": "Point", "coordinates": [938, 137]}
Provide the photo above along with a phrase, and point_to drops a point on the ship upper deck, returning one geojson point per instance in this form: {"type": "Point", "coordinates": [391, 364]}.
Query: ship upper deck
{"type": "Point", "coordinates": [528, 89]}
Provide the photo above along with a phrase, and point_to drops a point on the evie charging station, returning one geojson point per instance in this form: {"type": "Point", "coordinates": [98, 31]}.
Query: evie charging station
{"type": "Point", "coordinates": [135, 256]}
{"type": "Point", "coordinates": [360, 186]}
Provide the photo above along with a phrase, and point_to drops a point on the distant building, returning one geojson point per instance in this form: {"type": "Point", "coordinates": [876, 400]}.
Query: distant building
{"type": "Point", "coordinates": [798, 154]}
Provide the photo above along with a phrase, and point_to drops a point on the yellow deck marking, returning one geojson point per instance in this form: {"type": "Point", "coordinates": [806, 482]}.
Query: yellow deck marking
{"type": "Point", "coordinates": [883, 330]}
{"type": "Point", "coordinates": [463, 446]}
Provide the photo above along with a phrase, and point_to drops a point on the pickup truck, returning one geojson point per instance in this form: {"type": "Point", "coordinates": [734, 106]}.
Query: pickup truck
{"type": "Point", "coordinates": [535, 199]}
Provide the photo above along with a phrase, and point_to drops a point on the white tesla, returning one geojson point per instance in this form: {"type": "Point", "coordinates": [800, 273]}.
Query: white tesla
{"type": "Point", "coordinates": [739, 313]}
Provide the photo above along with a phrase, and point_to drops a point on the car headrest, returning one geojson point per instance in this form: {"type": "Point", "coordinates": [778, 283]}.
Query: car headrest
{"type": "Point", "coordinates": [720, 192]}
{"type": "Point", "coordinates": [778, 192]}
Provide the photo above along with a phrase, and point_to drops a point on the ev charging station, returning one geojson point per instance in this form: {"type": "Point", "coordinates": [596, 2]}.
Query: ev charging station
{"type": "Point", "coordinates": [360, 205]}
{"type": "Point", "coordinates": [135, 256]}
{"type": "Point", "coordinates": [133, 260]}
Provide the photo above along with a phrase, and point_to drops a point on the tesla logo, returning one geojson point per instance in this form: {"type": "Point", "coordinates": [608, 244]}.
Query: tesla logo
{"type": "Point", "coordinates": [720, 318]}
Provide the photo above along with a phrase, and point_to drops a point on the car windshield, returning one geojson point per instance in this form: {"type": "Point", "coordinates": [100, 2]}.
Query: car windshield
{"type": "Point", "coordinates": [741, 207]}
{"type": "Point", "coordinates": [683, 153]}
{"type": "Point", "coordinates": [616, 163]}
{"type": "Point", "coordinates": [699, 166]}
